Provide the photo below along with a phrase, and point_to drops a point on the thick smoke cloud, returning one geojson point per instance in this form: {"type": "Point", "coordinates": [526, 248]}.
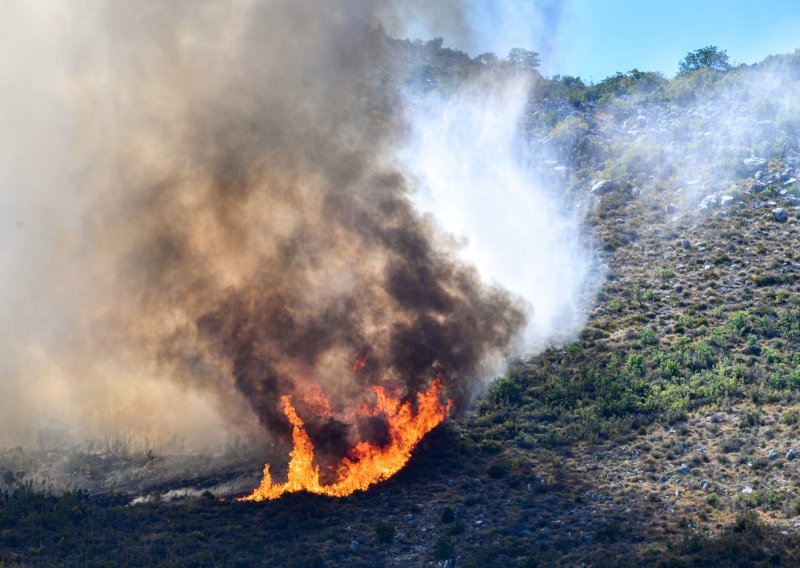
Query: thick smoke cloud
{"type": "Point", "coordinates": [204, 212]}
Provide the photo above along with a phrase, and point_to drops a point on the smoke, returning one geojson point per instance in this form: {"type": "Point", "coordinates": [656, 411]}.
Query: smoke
{"type": "Point", "coordinates": [700, 141]}
{"type": "Point", "coordinates": [482, 182]}
{"type": "Point", "coordinates": [205, 208]}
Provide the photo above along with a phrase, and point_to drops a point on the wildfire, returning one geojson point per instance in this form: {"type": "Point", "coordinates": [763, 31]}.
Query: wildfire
{"type": "Point", "coordinates": [366, 463]}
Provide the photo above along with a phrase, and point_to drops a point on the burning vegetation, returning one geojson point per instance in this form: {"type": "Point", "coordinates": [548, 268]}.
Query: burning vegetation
{"type": "Point", "coordinates": [367, 462]}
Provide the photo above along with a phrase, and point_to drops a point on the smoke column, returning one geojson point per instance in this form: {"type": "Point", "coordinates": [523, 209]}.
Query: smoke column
{"type": "Point", "coordinates": [477, 178]}
{"type": "Point", "coordinates": [206, 208]}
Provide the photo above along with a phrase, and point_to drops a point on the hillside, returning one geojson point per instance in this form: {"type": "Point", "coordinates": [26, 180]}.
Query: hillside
{"type": "Point", "coordinates": [666, 434]}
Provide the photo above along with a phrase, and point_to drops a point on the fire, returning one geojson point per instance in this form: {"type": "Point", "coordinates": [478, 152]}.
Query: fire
{"type": "Point", "coordinates": [366, 463]}
{"type": "Point", "coordinates": [316, 402]}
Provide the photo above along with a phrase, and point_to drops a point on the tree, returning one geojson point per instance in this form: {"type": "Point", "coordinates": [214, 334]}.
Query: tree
{"type": "Point", "coordinates": [634, 81]}
{"type": "Point", "coordinates": [487, 58]}
{"type": "Point", "coordinates": [706, 58]}
{"type": "Point", "coordinates": [523, 58]}
{"type": "Point", "coordinates": [434, 44]}
{"type": "Point", "coordinates": [569, 81]}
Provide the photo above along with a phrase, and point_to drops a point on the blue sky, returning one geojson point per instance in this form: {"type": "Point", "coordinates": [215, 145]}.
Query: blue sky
{"type": "Point", "coordinates": [595, 38]}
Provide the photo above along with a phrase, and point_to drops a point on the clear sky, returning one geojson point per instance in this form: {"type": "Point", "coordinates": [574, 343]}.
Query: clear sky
{"type": "Point", "coordinates": [595, 38]}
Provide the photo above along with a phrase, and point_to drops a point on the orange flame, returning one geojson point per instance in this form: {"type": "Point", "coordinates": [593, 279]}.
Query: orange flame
{"type": "Point", "coordinates": [316, 402]}
{"type": "Point", "coordinates": [366, 463]}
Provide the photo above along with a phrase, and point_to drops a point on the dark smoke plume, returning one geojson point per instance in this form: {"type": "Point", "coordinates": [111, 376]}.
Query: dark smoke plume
{"type": "Point", "coordinates": [241, 227]}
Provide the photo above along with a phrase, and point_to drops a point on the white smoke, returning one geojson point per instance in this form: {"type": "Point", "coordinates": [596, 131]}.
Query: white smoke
{"type": "Point", "coordinates": [700, 140]}
{"type": "Point", "coordinates": [477, 176]}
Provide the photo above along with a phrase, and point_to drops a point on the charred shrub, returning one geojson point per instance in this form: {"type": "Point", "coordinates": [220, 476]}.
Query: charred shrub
{"type": "Point", "coordinates": [498, 469]}
{"type": "Point", "coordinates": [444, 549]}
{"type": "Point", "coordinates": [448, 516]}
{"type": "Point", "coordinates": [609, 532]}
{"type": "Point", "coordinates": [384, 533]}
{"type": "Point", "coordinates": [456, 529]}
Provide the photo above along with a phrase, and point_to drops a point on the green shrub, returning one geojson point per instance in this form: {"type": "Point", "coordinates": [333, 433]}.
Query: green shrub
{"type": "Point", "coordinates": [791, 418]}
{"type": "Point", "coordinates": [668, 368]}
{"type": "Point", "coordinates": [569, 133]}
{"type": "Point", "coordinates": [752, 417]}
{"type": "Point", "coordinates": [738, 323]}
{"type": "Point", "coordinates": [762, 280]}
{"type": "Point", "coordinates": [702, 356]}
{"type": "Point", "coordinates": [753, 499]}
{"type": "Point", "coordinates": [717, 337]}
{"type": "Point", "coordinates": [748, 522]}
{"type": "Point", "coordinates": [648, 337]}
{"type": "Point", "coordinates": [772, 498]}
{"type": "Point", "coordinates": [635, 364]}
{"type": "Point", "coordinates": [498, 469]}
{"type": "Point", "coordinates": [687, 88]}
{"type": "Point", "coordinates": [633, 82]}
{"type": "Point", "coordinates": [504, 392]}
{"type": "Point", "coordinates": [574, 350]}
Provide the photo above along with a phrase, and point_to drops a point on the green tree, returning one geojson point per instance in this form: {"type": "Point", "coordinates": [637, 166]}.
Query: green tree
{"type": "Point", "coordinates": [622, 83]}
{"type": "Point", "coordinates": [710, 57]}
{"type": "Point", "coordinates": [524, 58]}
{"type": "Point", "coordinates": [487, 58]}
{"type": "Point", "coordinates": [434, 44]}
